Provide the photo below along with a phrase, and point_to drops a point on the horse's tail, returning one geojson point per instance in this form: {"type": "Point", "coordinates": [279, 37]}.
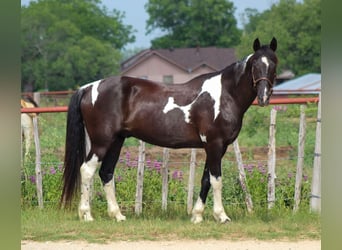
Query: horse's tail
{"type": "Point", "coordinates": [74, 149]}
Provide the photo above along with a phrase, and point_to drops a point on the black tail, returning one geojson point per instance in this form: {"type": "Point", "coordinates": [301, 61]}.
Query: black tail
{"type": "Point", "coordinates": [74, 149]}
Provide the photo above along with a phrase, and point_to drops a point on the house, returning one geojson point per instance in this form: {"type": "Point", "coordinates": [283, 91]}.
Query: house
{"type": "Point", "coordinates": [177, 65]}
{"type": "Point", "coordinates": [305, 84]}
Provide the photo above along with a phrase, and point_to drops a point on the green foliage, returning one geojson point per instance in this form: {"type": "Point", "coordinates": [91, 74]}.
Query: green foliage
{"type": "Point", "coordinates": [193, 23]}
{"type": "Point", "coordinates": [69, 43]}
{"type": "Point", "coordinates": [297, 27]}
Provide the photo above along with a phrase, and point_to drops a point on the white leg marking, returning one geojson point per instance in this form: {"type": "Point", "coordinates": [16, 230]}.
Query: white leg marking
{"type": "Point", "coordinates": [219, 213]}
{"type": "Point", "coordinates": [212, 86]}
{"type": "Point", "coordinates": [197, 211]}
{"type": "Point", "coordinates": [87, 175]}
{"type": "Point", "coordinates": [203, 138]}
{"type": "Point", "coordinates": [113, 207]}
{"type": "Point", "coordinates": [265, 61]}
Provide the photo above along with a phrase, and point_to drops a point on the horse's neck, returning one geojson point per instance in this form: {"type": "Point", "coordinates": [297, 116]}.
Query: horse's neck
{"type": "Point", "coordinates": [241, 86]}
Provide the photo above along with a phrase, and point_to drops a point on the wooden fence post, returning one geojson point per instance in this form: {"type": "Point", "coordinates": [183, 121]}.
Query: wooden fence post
{"type": "Point", "coordinates": [300, 160]}
{"type": "Point", "coordinates": [242, 177]}
{"type": "Point", "coordinates": [271, 161]}
{"type": "Point", "coordinates": [191, 180]}
{"type": "Point", "coordinates": [315, 200]}
{"type": "Point", "coordinates": [165, 177]}
{"type": "Point", "coordinates": [140, 178]}
{"type": "Point", "coordinates": [38, 170]}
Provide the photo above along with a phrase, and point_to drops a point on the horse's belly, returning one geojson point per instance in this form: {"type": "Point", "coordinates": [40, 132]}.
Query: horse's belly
{"type": "Point", "coordinates": [165, 131]}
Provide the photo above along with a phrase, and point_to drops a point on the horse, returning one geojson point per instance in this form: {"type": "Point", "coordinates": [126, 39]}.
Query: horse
{"type": "Point", "coordinates": [27, 123]}
{"type": "Point", "coordinates": [205, 112]}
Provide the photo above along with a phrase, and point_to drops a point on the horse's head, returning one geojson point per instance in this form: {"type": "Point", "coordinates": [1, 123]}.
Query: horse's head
{"type": "Point", "coordinates": [264, 65]}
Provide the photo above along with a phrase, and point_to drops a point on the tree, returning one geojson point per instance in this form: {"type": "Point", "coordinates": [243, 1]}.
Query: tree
{"type": "Point", "coordinates": [69, 43]}
{"type": "Point", "coordinates": [297, 27]}
{"type": "Point", "coordinates": [191, 23]}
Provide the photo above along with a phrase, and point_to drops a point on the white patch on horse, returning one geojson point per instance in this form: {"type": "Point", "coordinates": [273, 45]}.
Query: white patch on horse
{"type": "Point", "coordinates": [113, 207]}
{"type": "Point", "coordinates": [203, 138]}
{"type": "Point", "coordinates": [89, 84]}
{"type": "Point", "coordinates": [219, 212]}
{"type": "Point", "coordinates": [87, 141]}
{"type": "Point", "coordinates": [245, 62]}
{"type": "Point", "coordinates": [265, 94]}
{"type": "Point", "coordinates": [94, 91]}
{"type": "Point", "coordinates": [197, 211]}
{"type": "Point", "coordinates": [212, 86]}
{"type": "Point", "coordinates": [265, 61]}
{"type": "Point", "coordinates": [87, 175]}
{"type": "Point", "coordinates": [170, 105]}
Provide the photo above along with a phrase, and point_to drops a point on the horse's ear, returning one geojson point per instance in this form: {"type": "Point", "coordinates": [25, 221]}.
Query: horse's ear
{"type": "Point", "coordinates": [256, 44]}
{"type": "Point", "coordinates": [273, 44]}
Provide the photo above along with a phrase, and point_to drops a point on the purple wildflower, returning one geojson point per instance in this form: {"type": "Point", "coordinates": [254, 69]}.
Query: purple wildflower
{"type": "Point", "coordinates": [52, 170]}
{"type": "Point", "coordinates": [290, 175]}
{"type": "Point", "coordinates": [177, 175]}
{"type": "Point", "coordinates": [157, 165]}
{"type": "Point", "coordinates": [119, 178]}
{"type": "Point", "coordinates": [128, 158]}
{"type": "Point", "coordinates": [249, 168]}
{"type": "Point", "coordinates": [262, 169]}
{"type": "Point", "coordinates": [33, 179]}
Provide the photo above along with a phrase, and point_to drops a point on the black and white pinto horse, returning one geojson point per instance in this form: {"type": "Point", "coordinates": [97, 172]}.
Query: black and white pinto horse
{"type": "Point", "coordinates": [205, 112]}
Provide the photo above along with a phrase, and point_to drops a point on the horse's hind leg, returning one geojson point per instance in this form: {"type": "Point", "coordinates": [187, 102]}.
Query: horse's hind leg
{"type": "Point", "coordinates": [87, 175]}
{"type": "Point", "coordinates": [107, 177]}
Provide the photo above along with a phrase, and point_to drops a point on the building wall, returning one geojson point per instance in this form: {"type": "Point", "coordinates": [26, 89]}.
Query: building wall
{"type": "Point", "coordinates": [155, 68]}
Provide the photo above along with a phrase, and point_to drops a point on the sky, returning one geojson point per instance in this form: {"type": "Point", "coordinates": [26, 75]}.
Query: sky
{"type": "Point", "coordinates": [136, 16]}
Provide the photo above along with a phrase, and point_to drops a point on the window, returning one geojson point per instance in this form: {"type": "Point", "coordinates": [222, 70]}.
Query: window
{"type": "Point", "coordinates": [168, 79]}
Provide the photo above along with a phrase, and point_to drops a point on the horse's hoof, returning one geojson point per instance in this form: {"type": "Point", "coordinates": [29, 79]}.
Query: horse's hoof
{"type": "Point", "coordinates": [196, 219]}
{"type": "Point", "coordinates": [222, 218]}
{"type": "Point", "coordinates": [226, 220]}
{"type": "Point", "coordinates": [87, 218]}
{"type": "Point", "coordinates": [120, 218]}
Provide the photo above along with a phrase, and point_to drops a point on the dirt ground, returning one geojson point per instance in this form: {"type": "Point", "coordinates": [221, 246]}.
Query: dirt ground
{"type": "Point", "coordinates": [175, 245]}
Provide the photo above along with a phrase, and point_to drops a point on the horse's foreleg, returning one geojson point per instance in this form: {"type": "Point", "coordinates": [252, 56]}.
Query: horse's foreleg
{"type": "Point", "coordinates": [219, 213]}
{"type": "Point", "coordinates": [107, 177]}
{"type": "Point", "coordinates": [87, 175]}
{"type": "Point", "coordinates": [198, 209]}
{"type": "Point", "coordinates": [211, 177]}
{"type": "Point", "coordinates": [113, 207]}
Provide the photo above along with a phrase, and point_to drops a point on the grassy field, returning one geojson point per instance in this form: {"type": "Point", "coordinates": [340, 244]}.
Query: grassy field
{"type": "Point", "coordinates": [51, 223]}
{"type": "Point", "coordinates": [54, 225]}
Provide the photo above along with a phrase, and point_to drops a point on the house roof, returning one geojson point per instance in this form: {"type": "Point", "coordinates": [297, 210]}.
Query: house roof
{"type": "Point", "coordinates": [188, 59]}
{"type": "Point", "coordinates": [308, 84]}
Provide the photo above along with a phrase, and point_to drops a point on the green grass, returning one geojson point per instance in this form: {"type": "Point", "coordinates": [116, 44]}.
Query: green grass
{"type": "Point", "coordinates": [54, 225]}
